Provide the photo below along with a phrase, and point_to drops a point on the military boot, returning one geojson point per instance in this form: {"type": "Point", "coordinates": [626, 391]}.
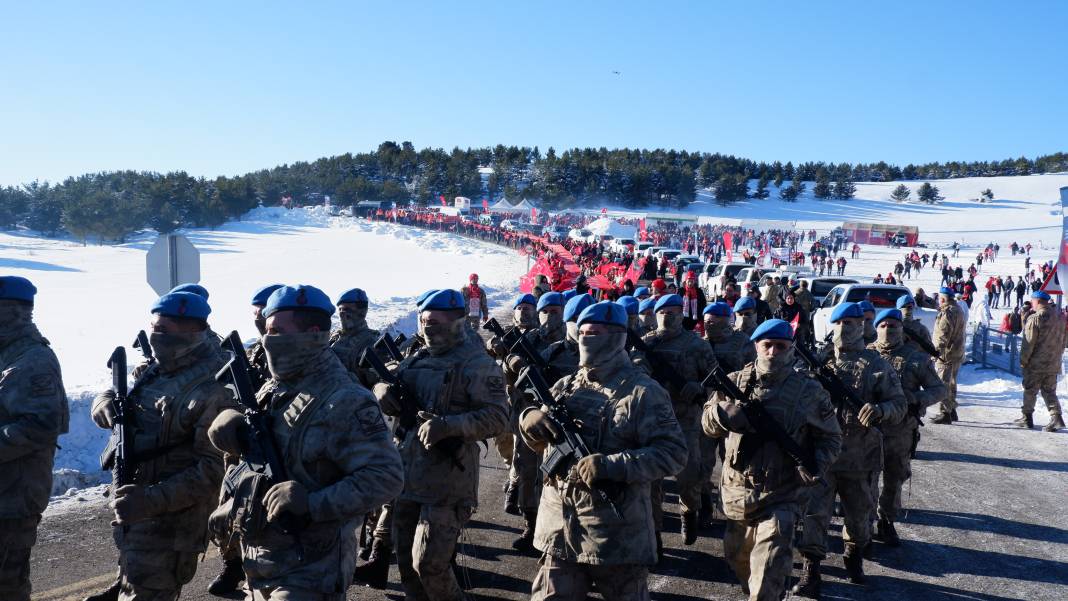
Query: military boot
{"type": "Point", "coordinates": [1056, 422]}
{"type": "Point", "coordinates": [111, 593]}
{"type": "Point", "coordinates": [1027, 421]}
{"type": "Point", "coordinates": [525, 542]}
{"type": "Point", "coordinates": [229, 580]}
{"type": "Point", "coordinates": [854, 563]}
{"type": "Point", "coordinates": [953, 415]}
{"type": "Point", "coordinates": [511, 499]}
{"type": "Point", "coordinates": [942, 418]}
{"type": "Point", "coordinates": [885, 532]}
{"type": "Point", "coordinates": [375, 573]}
{"type": "Point", "coordinates": [810, 583]}
{"type": "Point", "coordinates": [689, 527]}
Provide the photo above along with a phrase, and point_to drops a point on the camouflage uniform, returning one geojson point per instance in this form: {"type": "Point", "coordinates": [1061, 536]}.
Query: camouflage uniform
{"type": "Point", "coordinates": [949, 341]}
{"type": "Point", "coordinates": [875, 381]}
{"type": "Point", "coordinates": [349, 345]}
{"type": "Point", "coordinates": [629, 419]}
{"type": "Point", "coordinates": [257, 360]}
{"type": "Point", "coordinates": [463, 386]}
{"type": "Point", "coordinates": [179, 470]}
{"type": "Point", "coordinates": [761, 490]}
{"type": "Point", "coordinates": [804, 297]}
{"type": "Point", "coordinates": [914, 328]}
{"type": "Point", "coordinates": [733, 352]}
{"type": "Point", "coordinates": [33, 413]}
{"type": "Point", "coordinates": [333, 441]}
{"type": "Point", "coordinates": [1040, 358]}
{"type": "Point", "coordinates": [525, 472]}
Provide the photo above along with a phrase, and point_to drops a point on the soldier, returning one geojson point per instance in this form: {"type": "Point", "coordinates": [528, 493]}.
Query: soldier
{"type": "Point", "coordinates": [631, 305]}
{"type": "Point", "coordinates": [774, 294]}
{"type": "Point", "coordinates": [257, 357]}
{"type": "Point", "coordinates": [336, 450]}
{"type": "Point", "coordinates": [869, 321]}
{"type": "Point", "coordinates": [877, 385]}
{"type": "Point", "coordinates": [804, 297]}
{"type": "Point", "coordinates": [161, 518]}
{"type": "Point", "coordinates": [202, 292]}
{"type": "Point", "coordinates": [525, 318]}
{"type": "Point", "coordinates": [914, 328]}
{"type": "Point", "coordinates": [583, 542]}
{"type": "Point", "coordinates": [762, 487]}
{"type": "Point", "coordinates": [551, 317]}
{"type": "Point", "coordinates": [646, 316]}
{"type": "Point", "coordinates": [922, 388]}
{"type": "Point", "coordinates": [1040, 358]}
{"type": "Point", "coordinates": [33, 413]}
{"type": "Point", "coordinates": [745, 318]}
{"type": "Point", "coordinates": [948, 340]}
{"type": "Point", "coordinates": [641, 293]}
{"type": "Point", "coordinates": [354, 337]}
{"type": "Point", "coordinates": [692, 358]}
{"type": "Point", "coordinates": [461, 395]}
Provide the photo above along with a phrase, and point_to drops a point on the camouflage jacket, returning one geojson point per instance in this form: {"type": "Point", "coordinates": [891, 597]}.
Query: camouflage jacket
{"type": "Point", "coordinates": [349, 347]}
{"type": "Point", "coordinates": [948, 336]}
{"type": "Point", "coordinates": [734, 351]}
{"type": "Point", "coordinates": [919, 382]}
{"type": "Point", "coordinates": [875, 381]}
{"type": "Point", "coordinates": [1043, 341]}
{"type": "Point", "coordinates": [690, 356]}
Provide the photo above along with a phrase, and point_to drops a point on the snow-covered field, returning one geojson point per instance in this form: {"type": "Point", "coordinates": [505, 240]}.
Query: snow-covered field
{"type": "Point", "coordinates": [92, 298]}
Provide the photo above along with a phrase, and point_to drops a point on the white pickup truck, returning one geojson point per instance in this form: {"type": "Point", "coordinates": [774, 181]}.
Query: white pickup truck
{"type": "Point", "coordinates": [882, 296]}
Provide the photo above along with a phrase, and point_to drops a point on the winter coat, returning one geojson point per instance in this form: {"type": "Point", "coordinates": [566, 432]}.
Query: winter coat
{"type": "Point", "coordinates": [920, 383]}
{"type": "Point", "coordinates": [1043, 341]}
{"type": "Point", "coordinates": [948, 337]}
{"type": "Point", "coordinates": [691, 357]}
{"type": "Point", "coordinates": [349, 347]}
{"type": "Point", "coordinates": [482, 310]}
{"type": "Point", "coordinates": [733, 351]}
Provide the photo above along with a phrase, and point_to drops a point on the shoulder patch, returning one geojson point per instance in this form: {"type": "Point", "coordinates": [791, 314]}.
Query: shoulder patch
{"type": "Point", "coordinates": [495, 382]}
{"type": "Point", "coordinates": [370, 419]}
{"type": "Point", "coordinates": [42, 385]}
{"type": "Point", "coordinates": [665, 415]}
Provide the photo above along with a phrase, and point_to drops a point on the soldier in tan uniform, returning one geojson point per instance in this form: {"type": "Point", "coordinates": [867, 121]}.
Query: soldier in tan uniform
{"type": "Point", "coordinates": [922, 388]}
{"type": "Point", "coordinates": [878, 387]}
{"type": "Point", "coordinates": [745, 317]}
{"type": "Point", "coordinates": [634, 440]}
{"type": "Point", "coordinates": [914, 328]}
{"type": "Point", "coordinates": [161, 519]}
{"type": "Point", "coordinates": [691, 358]}
{"type": "Point", "coordinates": [761, 486]}
{"type": "Point", "coordinates": [948, 340]}
{"type": "Point", "coordinates": [339, 460]}
{"type": "Point", "coordinates": [33, 413]}
{"type": "Point", "coordinates": [1040, 358]}
{"type": "Point", "coordinates": [461, 398]}
{"type": "Point", "coordinates": [646, 316]}
{"type": "Point", "coordinates": [524, 320]}
{"type": "Point", "coordinates": [354, 336]}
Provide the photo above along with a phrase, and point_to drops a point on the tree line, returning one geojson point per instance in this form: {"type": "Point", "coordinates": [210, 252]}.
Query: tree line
{"type": "Point", "coordinates": [112, 205]}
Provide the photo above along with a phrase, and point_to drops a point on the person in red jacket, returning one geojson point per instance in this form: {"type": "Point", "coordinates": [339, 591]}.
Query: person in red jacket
{"type": "Point", "coordinates": [475, 307]}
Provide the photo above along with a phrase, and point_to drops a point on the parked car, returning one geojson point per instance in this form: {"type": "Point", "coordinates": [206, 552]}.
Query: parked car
{"type": "Point", "coordinates": [882, 296]}
{"type": "Point", "coordinates": [819, 287]}
{"type": "Point", "coordinates": [489, 219]}
{"type": "Point", "coordinates": [705, 275]}
{"type": "Point", "coordinates": [748, 277]}
{"type": "Point", "coordinates": [718, 280]}
{"type": "Point", "coordinates": [652, 250]}
{"type": "Point", "coordinates": [555, 233]}
{"type": "Point", "coordinates": [621, 245]}
{"type": "Point", "coordinates": [667, 253]}
{"type": "Point", "coordinates": [580, 235]}
{"type": "Point", "coordinates": [509, 225]}
{"type": "Point", "coordinates": [640, 247]}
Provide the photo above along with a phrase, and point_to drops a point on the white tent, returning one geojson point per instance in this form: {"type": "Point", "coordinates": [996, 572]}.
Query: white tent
{"type": "Point", "coordinates": [504, 206]}
{"type": "Point", "coordinates": [608, 227]}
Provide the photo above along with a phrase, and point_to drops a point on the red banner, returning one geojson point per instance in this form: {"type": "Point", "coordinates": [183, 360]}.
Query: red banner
{"type": "Point", "coordinates": [641, 229]}
{"type": "Point", "coordinates": [728, 243]}
{"type": "Point", "coordinates": [442, 198]}
{"type": "Point", "coordinates": [485, 204]}
{"type": "Point", "coordinates": [533, 215]}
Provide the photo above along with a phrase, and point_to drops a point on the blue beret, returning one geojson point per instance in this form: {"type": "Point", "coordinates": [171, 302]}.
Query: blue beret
{"type": "Point", "coordinates": [576, 305]}
{"type": "Point", "coordinates": [773, 329]}
{"type": "Point", "coordinates": [629, 303]}
{"type": "Point", "coordinates": [569, 294]}
{"type": "Point", "coordinates": [259, 299]}
{"type": "Point", "coordinates": [550, 299]}
{"type": "Point", "coordinates": [1042, 294]}
{"type": "Point", "coordinates": [846, 310]}
{"type": "Point", "coordinates": [946, 290]}
{"type": "Point", "coordinates": [720, 308]}
{"type": "Point", "coordinates": [646, 305]}
{"type": "Point", "coordinates": [13, 287]}
{"type": "Point", "coordinates": [443, 300]}
{"type": "Point", "coordinates": [605, 312]}
{"type": "Point", "coordinates": [356, 295]}
{"type": "Point", "coordinates": [668, 300]}
{"type": "Point", "coordinates": [182, 304]}
{"type": "Point", "coordinates": [298, 298]}
{"type": "Point", "coordinates": [866, 306]}
{"type": "Point", "coordinates": [904, 300]}
{"type": "Point", "coordinates": [641, 291]}
{"type": "Point", "coordinates": [422, 297]}
{"type": "Point", "coordinates": [746, 303]}
{"type": "Point", "coordinates": [196, 289]}
{"type": "Point", "coordinates": [888, 314]}
{"type": "Point", "coordinates": [524, 299]}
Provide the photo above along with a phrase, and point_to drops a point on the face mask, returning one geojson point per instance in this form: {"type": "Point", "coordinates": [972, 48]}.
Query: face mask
{"type": "Point", "coordinates": [774, 365]}
{"type": "Point", "coordinates": [716, 330]}
{"type": "Point", "coordinates": [572, 331]}
{"type": "Point", "coordinates": [353, 319]}
{"type": "Point", "coordinates": [524, 319]}
{"type": "Point", "coordinates": [598, 350]}
{"type": "Point", "coordinates": [748, 323]}
{"type": "Point", "coordinates": [906, 312]}
{"type": "Point", "coordinates": [869, 330]}
{"type": "Point", "coordinates": [551, 321]}
{"type": "Point", "coordinates": [632, 322]}
{"type": "Point", "coordinates": [891, 337]}
{"type": "Point", "coordinates": [288, 355]}
{"type": "Point", "coordinates": [669, 322]}
{"type": "Point", "coordinates": [648, 320]}
{"type": "Point", "coordinates": [261, 324]}
{"type": "Point", "coordinates": [441, 338]}
{"type": "Point", "coordinates": [848, 335]}
{"type": "Point", "coordinates": [13, 318]}
{"type": "Point", "coordinates": [169, 348]}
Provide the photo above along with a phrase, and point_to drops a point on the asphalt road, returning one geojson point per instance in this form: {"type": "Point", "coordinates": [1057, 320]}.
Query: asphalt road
{"type": "Point", "coordinates": [980, 526]}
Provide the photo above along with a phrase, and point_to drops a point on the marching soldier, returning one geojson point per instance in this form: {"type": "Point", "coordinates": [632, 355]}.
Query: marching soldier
{"type": "Point", "coordinates": [948, 340]}
{"type": "Point", "coordinates": [33, 413]}
{"type": "Point", "coordinates": [354, 336]}
{"type": "Point", "coordinates": [761, 486]}
{"type": "Point", "coordinates": [745, 317]}
{"type": "Point", "coordinates": [1040, 358]}
{"type": "Point", "coordinates": [732, 348]}
{"type": "Point", "coordinates": [646, 316]}
{"type": "Point", "coordinates": [914, 328]}
{"type": "Point", "coordinates": [632, 305]}
{"type": "Point", "coordinates": [869, 321]}
{"type": "Point", "coordinates": [585, 543]}
{"type": "Point", "coordinates": [257, 357]}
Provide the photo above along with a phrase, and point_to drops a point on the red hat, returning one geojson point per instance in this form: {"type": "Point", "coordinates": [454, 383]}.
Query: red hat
{"type": "Point", "coordinates": [473, 276]}
{"type": "Point", "coordinates": [659, 284]}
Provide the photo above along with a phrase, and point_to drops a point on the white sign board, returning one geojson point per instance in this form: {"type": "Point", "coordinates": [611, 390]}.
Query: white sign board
{"type": "Point", "coordinates": [172, 260]}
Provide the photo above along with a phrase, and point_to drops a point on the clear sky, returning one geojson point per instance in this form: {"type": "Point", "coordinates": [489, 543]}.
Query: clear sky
{"type": "Point", "coordinates": [229, 87]}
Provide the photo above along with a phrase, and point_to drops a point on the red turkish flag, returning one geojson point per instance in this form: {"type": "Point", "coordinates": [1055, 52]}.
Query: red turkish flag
{"type": "Point", "coordinates": [485, 204]}
{"type": "Point", "coordinates": [794, 323]}
{"type": "Point", "coordinates": [442, 198]}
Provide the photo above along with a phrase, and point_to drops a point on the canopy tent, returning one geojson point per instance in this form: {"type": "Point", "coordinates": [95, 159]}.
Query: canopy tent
{"type": "Point", "coordinates": [505, 206]}
{"type": "Point", "coordinates": [608, 227]}
{"type": "Point", "coordinates": [766, 225]}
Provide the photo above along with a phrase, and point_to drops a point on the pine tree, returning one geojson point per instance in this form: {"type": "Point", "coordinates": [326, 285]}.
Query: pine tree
{"type": "Point", "coordinates": [778, 179]}
{"type": "Point", "coordinates": [730, 188]}
{"type": "Point", "coordinates": [13, 206]}
{"type": "Point", "coordinates": [928, 193]}
{"type": "Point", "coordinates": [987, 195]}
{"type": "Point", "coordinates": [762, 187]}
{"type": "Point", "coordinates": [797, 184]}
{"type": "Point", "coordinates": [901, 193]}
{"type": "Point", "coordinates": [822, 189]}
{"type": "Point", "coordinates": [844, 189]}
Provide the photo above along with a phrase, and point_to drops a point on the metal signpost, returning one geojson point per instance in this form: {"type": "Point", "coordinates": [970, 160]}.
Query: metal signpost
{"type": "Point", "coordinates": [172, 260]}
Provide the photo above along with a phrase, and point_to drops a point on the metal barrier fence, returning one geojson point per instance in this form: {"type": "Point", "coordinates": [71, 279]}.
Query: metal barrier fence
{"type": "Point", "coordinates": [993, 348]}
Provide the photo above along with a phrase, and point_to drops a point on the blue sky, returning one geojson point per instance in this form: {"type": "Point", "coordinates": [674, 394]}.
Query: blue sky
{"type": "Point", "coordinates": [228, 87]}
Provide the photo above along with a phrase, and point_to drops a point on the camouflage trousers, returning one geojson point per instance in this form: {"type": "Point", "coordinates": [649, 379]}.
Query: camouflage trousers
{"type": "Point", "coordinates": [691, 479]}
{"type": "Point", "coordinates": [710, 448]}
{"type": "Point", "coordinates": [154, 574]}
{"type": "Point", "coordinates": [384, 524]}
{"type": "Point", "coordinates": [17, 537]}
{"type": "Point", "coordinates": [854, 488]}
{"type": "Point", "coordinates": [425, 539]}
{"type": "Point", "coordinates": [897, 469]}
{"type": "Point", "coordinates": [283, 593]}
{"type": "Point", "coordinates": [561, 580]}
{"type": "Point", "coordinates": [761, 553]}
{"type": "Point", "coordinates": [505, 445]}
{"type": "Point", "coordinates": [1046, 384]}
{"type": "Point", "coordinates": [948, 372]}
{"type": "Point", "coordinates": [526, 465]}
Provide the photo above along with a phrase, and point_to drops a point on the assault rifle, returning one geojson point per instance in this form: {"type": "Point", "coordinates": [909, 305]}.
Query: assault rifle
{"type": "Point", "coordinates": [119, 454]}
{"type": "Point", "coordinates": [517, 343]}
{"type": "Point", "coordinates": [259, 451]}
{"type": "Point", "coordinates": [451, 447]}
{"type": "Point", "coordinates": [390, 345]}
{"type": "Point", "coordinates": [566, 452]}
{"type": "Point", "coordinates": [663, 371]}
{"type": "Point", "coordinates": [840, 392]}
{"type": "Point", "coordinates": [922, 343]}
{"type": "Point", "coordinates": [761, 421]}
